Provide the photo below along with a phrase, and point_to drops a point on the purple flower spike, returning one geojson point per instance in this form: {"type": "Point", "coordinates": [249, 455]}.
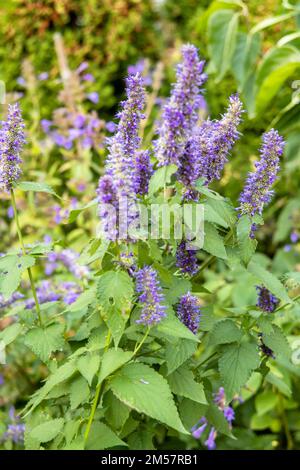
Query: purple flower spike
{"type": "Point", "coordinates": [143, 172]}
{"type": "Point", "coordinates": [215, 139]}
{"type": "Point", "coordinates": [186, 259]}
{"type": "Point", "coordinates": [151, 297]}
{"type": "Point", "coordinates": [266, 301]}
{"type": "Point", "coordinates": [229, 414]}
{"type": "Point", "coordinates": [257, 191]}
{"type": "Point", "coordinates": [12, 140]}
{"type": "Point", "coordinates": [210, 442]}
{"type": "Point", "coordinates": [180, 114]}
{"type": "Point", "coordinates": [188, 311]}
{"type": "Point", "coordinates": [120, 164]}
{"type": "Point", "coordinates": [197, 430]}
{"type": "Point", "coordinates": [107, 194]}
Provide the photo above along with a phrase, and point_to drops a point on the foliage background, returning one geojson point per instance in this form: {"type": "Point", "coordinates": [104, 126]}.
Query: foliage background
{"type": "Point", "coordinates": [110, 36]}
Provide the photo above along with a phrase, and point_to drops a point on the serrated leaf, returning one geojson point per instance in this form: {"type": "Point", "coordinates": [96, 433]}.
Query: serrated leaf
{"type": "Point", "coordinates": [112, 360]}
{"type": "Point", "coordinates": [44, 341]}
{"type": "Point", "coordinates": [247, 245]}
{"type": "Point", "coordinates": [116, 413]}
{"type": "Point", "coordinates": [47, 431]}
{"type": "Point", "coordinates": [225, 331]}
{"type": "Point", "coordinates": [36, 187]}
{"type": "Point", "coordinates": [11, 270]}
{"type": "Point", "coordinates": [88, 366]}
{"type": "Point", "coordinates": [79, 392]}
{"type": "Point", "coordinates": [114, 292]}
{"type": "Point", "coordinates": [161, 177]}
{"type": "Point", "coordinates": [176, 289]}
{"type": "Point", "coordinates": [236, 364]}
{"type": "Point", "coordinates": [146, 391]}
{"type": "Point", "coordinates": [171, 326]}
{"type": "Point", "coordinates": [102, 437]}
{"type": "Point", "coordinates": [224, 210]}
{"type": "Point", "coordinates": [269, 280]}
{"type": "Point", "coordinates": [182, 383]}
{"type": "Point", "coordinates": [178, 353]}
{"type": "Point", "coordinates": [60, 375]}
{"type": "Point", "coordinates": [213, 242]}
{"type": "Point", "coordinates": [277, 341]}
{"type": "Point", "coordinates": [10, 333]}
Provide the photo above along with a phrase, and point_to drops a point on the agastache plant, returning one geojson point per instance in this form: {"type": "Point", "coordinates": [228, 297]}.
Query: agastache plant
{"type": "Point", "coordinates": [180, 114]}
{"type": "Point", "coordinates": [119, 180]}
{"type": "Point", "coordinates": [257, 191]}
{"type": "Point", "coordinates": [141, 343]}
{"type": "Point", "coordinates": [150, 296]}
{"type": "Point", "coordinates": [12, 140]}
{"type": "Point", "coordinates": [188, 311]}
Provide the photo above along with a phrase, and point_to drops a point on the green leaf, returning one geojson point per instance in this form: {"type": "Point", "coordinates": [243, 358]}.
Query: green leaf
{"type": "Point", "coordinates": [171, 326]}
{"type": "Point", "coordinates": [176, 289]}
{"type": "Point", "coordinates": [161, 177]}
{"type": "Point", "coordinates": [216, 418]}
{"type": "Point", "coordinates": [236, 364]}
{"type": "Point", "coordinates": [211, 215]}
{"type": "Point", "coordinates": [224, 210]}
{"type": "Point", "coordinates": [79, 392]}
{"type": "Point", "coordinates": [245, 56]}
{"type": "Point", "coordinates": [266, 23]}
{"type": "Point", "coordinates": [11, 270]}
{"type": "Point", "coordinates": [247, 245]}
{"type": "Point", "coordinates": [278, 65]}
{"type": "Point", "coordinates": [277, 341]}
{"type": "Point", "coordinates": [102, 437]}
{"type": "Point", "coordinates": [88, 366]}
{"type": "Point", "coordinates": [114, 292]}
{"type": "Point", "coordinates": [75, 212]}
{"type": "Point", "coordinates": [225, 331]}
{"type": "Point", "coordinates": [116, 413]}
{"type": "Point", "coordinates": [222, 34]}
{"type": "Point", "coordinates": [269, 280]}
{"type": "Point", "coordinates": [182, 383]}
{"type": "Point", "coordinates": [47, 431]}
{"type": "Point", "coordinates": [213, 242]}
{"type": "Point", "coordinates": [44, 341]}
{"type": "Point", "coordinates": [10, 333]}
{"type": "Point", "coordinates": [36, 187]}
{"type": "Point", "coordinates": [60, 375]}
{"type": "Point", "coordinates": [265, 402]}
{"type": "Point", "coordinates": [178, 353]}
{"type": "Point", "coordinates": [141, 440]}
{"type": "Point", "coordinates": [112, 360]}
{"type": "Point", "coordinates": [146, 391]}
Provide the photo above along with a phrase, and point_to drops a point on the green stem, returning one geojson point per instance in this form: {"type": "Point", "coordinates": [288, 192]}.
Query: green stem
{"type": "Point", "coordinates": [287, 304]}
{"type": "Point", "coordinates": [100, 386]}
{"type": "Point", "coordinates": [97, 396]}
{"type": "Point", "coordinates": [24, 253]}
{"type": "Point", "coordinates": [138, 346]}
